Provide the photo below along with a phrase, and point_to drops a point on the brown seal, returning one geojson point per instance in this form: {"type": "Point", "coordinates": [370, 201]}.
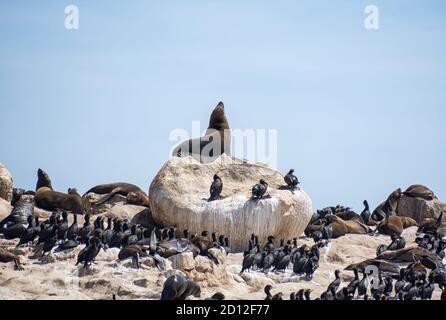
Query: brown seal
{"type": "Point", "coordinates": [420, 191]}
{"type": "Point", "coordinates": [48, 199]}
{"type": "Point", "coordinates": [7, 256]}
{"type": "Point", "coordinates": [341, 227]}
{"type": "Point", "coordinates": [133, 193]}
{"type": "Point", "coordinates": [390, 205]}
{"type": "Point", "coordinates": [215, 142]}
{"type": "Point", "coordinates": [394, 225]}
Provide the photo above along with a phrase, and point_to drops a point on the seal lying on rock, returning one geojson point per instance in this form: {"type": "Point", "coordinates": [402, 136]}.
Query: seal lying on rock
{"type": "Point", "coordinates": [178, 287]}
{"type": "Point", "coordinates": [215, 142]}
{"type": "Point", "coordinates": [133, 193]}
{"type": "Point", "coordinates": [7, 256]}
{"type": "Point", "coordinates": [48, 199]}
{"type": "Point", "coordinates": [341, 227]}
{"type": "Point", "coordinates": [394, 225]}
{"type": "Point", "coordinates": [420, 191]}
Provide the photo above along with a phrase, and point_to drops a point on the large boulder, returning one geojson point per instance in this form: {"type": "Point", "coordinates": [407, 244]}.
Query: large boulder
{"type": "Point", "coordinates": [419, 209]}
{"type": "Point", "coordinates": [179, 192]}
{"type": "Point", "coordinates": [5, 184]}
{"type": "Point", "coordinates": [5, 209]}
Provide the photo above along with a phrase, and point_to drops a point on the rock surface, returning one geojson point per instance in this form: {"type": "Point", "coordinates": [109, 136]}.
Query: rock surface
{"type": "Point", "coordinates": [5, 209]}
{"type": "Point", "coordinates": [179, 192]}
{"type": "Point", "coordinates": [61, 279]}
{"type": "Point", "coordinates": [6, 184]}
{"type": "Point", "coordinates": [419, 209]}
{"type": "Point", "coordinates": [89, 200]}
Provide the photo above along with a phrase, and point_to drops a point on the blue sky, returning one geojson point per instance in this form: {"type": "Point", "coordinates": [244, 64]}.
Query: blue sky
{"type": "Point", "coordinates": [358, 113]}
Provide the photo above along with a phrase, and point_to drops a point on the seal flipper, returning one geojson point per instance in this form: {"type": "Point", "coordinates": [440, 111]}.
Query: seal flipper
{"type": "Point", "coordinates": [108, 196]}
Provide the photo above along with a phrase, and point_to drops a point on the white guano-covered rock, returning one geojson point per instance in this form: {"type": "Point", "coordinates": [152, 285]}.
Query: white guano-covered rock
{"type": "Point", "coordinates": [179, 193]}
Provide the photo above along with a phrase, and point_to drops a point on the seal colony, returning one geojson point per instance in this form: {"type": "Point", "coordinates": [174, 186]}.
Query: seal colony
{"type": "Point", "coordinates": [400, 268]}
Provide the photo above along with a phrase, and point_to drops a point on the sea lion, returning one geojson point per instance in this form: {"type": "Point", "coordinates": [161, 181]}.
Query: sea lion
{"type": "Point", "coordinates": [412, 254]}
{"type": "Point", "coordinates": [7, 256]}
{"type": "Point", "coordinates": [341, 227]}
{"type": "Point", "coordinates": [420, 191]}
{"type": "Point", "coordinates": [133, 193]}
{"type": "Point", "coordinates": [394, 225]}
{"type": "Point", "coordinates": [389, 206]}
{"type": "Point", "coordinates": [179, 287]}
{"type": "Point", "coordinates": [48, 199]}
{"type": "Point", "coordinates": [382, 265]}
{"type": "Point", "coordinates": [215, 142]}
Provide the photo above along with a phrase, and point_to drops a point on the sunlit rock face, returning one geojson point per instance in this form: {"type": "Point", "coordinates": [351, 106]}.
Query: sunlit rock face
{"type": "Point", "coordinates": [5, 184]}
{"type": "Point", "coordinates": [179, 193]}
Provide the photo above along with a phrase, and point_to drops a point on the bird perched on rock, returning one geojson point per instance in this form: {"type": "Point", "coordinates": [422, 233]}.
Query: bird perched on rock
{"type": "Point", "coordinates": [291, 180]}
{"type": "Point", "coordinates": [259, 190]}
{"type": "Point", "coordinates": [216, 188]}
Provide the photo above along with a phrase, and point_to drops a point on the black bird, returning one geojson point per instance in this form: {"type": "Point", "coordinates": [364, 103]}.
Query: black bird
{"type": "Point", "coordinates": [31, 232]}
{"type": "Point", "coordinates": [216, 188]}
{"type": "Point", "coordinates": [354, 284]}
{"type": "Point", "coordinates": [299, 263]}
{"type": "Point", "coordinates": [259, 190]}
{"type": "Point", "coordinates": [118, 235]}
{"type": "Point", "coordinates": [284, 261]}
{"type": "Point", "coordinates": [300, 295]}
{"type": "Point", "coordinates": [89, 253]}
{"type": "Point", "coordinates": [307, 294]}
{"type": "Point", "coordinates": [336, 283]}
{"type": "Point", "coordinates": [365, 214]}
{"type": "Point", "coordinates": [171, 233]}
{"type": "Point", "coordinates": [86, 230]}
{"type": "Point", "coordinates": [268, 262]}
{"type": "Point", "coordinates": [443, 292]}
{"type": "Point", "coordinates": [133, 238]}
{"type": "Point", "coordinates": [291, 180]}
{"type": "Point", "coordinates": [133, 251]}
{"type": "Point", "coordinates": [63, 227]}
{"type": "Point", "coordinates": [248, 261]}
{"type": "Point", "coordinates": [427, 290]}
{"type": "Point", "coordinates": [267, 291]}
{"type": "Point", "coordinates": [51, 241]}
{"type": "Point", "coordinates": [217, 296]}
{"type": "Point", "coordinates": [363, 285]}
{"type": "Point", "coordinates": [310, 267]}
{"type": "Point", "coordinates": [401, 283]}
{"type": "Point", "coordinates": [67, 245]}
{"type": "Point", "coordinates": [73, 229]}
{"type": "Point", "coordinates": [108, 233]}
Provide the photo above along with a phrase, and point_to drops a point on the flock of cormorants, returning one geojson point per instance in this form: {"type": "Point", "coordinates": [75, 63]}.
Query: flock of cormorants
{"type": "Point", "coordinates": [415, 281]}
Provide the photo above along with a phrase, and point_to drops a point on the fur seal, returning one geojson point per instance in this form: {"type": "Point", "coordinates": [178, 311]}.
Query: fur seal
{"type": "Point", "coordinates": [215, 142]}
{"type": "Point", "coordinates": [178, 287]}
{"type": "Point", "coordinates": [340, 227]}
{"type": "Point", "coordinates": [48, 199]}
{"type": "Point", "coordinates": [394, 225]}
{"type": "Point", "coordinates": [420, 191]}
{"type": "Point", "coordinates": [7, 256]}
{"type": "Point", "coordinates": [389, 206]}
{"type": "Point", "coordinates": [133, 193]}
